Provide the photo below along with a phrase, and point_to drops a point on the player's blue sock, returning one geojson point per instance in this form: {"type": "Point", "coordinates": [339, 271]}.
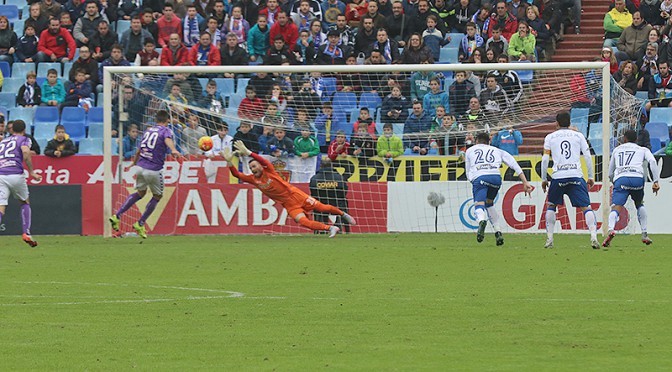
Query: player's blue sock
{"type": "Point", "coordinates": [479, 211]}
{"type": "Point", "coordinates": [26, 218]}
{"type": "Point", "coordinates": [132, 199]}
{"type": "Point", "coordinates": [642, 217]}
{"type": "Point", "coordinates": [148, 211]}
{"type": "Point", "coordinates": [550, 222]}
{"type": "Point", "coordinates": [613, 218]}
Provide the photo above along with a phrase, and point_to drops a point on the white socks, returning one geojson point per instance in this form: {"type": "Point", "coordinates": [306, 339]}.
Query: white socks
{"type": "Point", "coordinates": [479, 211]}
{"type": "Point", "coordinates": [591, 221]}
{"type": "Point", "coordinates": [642, 217]}
{"type": "Point", "coordinates": [613, 218]}
{"type": "Point", "coordinates": [550, 223]}
{"type": "Point", "coordinates": [494, 218]}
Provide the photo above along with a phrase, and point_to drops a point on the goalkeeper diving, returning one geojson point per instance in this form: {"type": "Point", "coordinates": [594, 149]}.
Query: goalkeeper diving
{"type": "Point", "coordinates": [296, 202]}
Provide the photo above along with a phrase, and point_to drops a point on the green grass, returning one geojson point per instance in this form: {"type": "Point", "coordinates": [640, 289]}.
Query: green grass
{"type": "Point", "coordinates": [369, 302]}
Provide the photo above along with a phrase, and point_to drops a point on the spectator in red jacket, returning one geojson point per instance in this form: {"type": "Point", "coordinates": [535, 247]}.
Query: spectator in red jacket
{"type": "Point", "coordinates": [175, 54]}
{"type": "Point", "coordinates": [204, 53]}
{"type": "Point", "coordinates": [168, 24]}
{"type": "Point", "coordinates": [504, 19]}
{"type": "Point", "coordinates": [287, 29]}
{"type": "Point", "coordinates": [339, 146]}
{"type": "Point", "coordinates": [56, 44]}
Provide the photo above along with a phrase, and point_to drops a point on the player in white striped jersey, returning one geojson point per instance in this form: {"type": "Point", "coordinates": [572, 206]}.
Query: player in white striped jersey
{"type": "Point", "coordinates": [627, 173]}
{"type": "Point", "coordinates": [482, 163]}
{"type": "Point", "coordinates": [566, 146]}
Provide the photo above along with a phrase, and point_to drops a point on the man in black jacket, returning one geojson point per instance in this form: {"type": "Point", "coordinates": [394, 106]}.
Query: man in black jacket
{"type": "Point", "coordinates": [328, 186]}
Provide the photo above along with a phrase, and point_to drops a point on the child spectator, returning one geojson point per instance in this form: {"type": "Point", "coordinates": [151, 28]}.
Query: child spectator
{"type": "Point", "coordinates": [148, 56]}
{"type": "Point", "coordinates": [470, 42]}
{"type": "Point", "coordinates": [460, 91]}
{"type": "Point", "coordinates": [130, 142]}
{"type": "Point", "coordinates": [497, 42]}
{"type": "Point", "coordinates": [433, 38]}
{"type": "Point", "coordinates": [365, 118]}
{"type": "Point", "coordinates": [258, 41]}
{"type": "Point", "coordinates": [222, 140]}
{"type": "Point", "coordinates": [191, 26]}
{"type": "Point", "coordinates": [266, 135]}
{"type": "Point", "coordinates": [244, 134]}
{"type": "Point", "coordinates": [279, 145]}
{"type": "Point", "coordinates": [395, 107]}
{"type": "Point", "coordinates": [440, 140]}
{"type": "Point", "coordinates": [191, 134]}
{"type": "Point", "coordinates": [362, 144]}
{"type": "Point", "coordinates": [389, 146]}
{"type": "Point", "coordinates": [149, 24]}
{"type": "Point", "coordinates": [26, 47]}
{"type": "Point", "coordinates": [436, 97]}
{"type": "Point", "coordinates": [339, 146]}
{"type": "Point", "coordinates": [53, 92]}
{"type": "Point", "coordinates": [251, 107]}
{"type": "Point", "coordinates": [78, 91]}
{"type": "Point", "coordinates": [437, 120]}
{"type": "Point", "coordinates": [327, 124]}
{"type": "Point", "coordinates": [210, 99]}
{"type": "Point", "coordinates": [30, 93]}
{"type": "Point", "coordinates": [272, 117]}
{"type": "Point", "coordinates": [66, 21]}
{"type": "Point", "coordinates": [61, 145]}
{"type": "Point", "coordinates": [306, 144]}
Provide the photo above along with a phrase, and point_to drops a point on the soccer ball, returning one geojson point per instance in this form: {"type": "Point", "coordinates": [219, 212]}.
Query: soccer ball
{"type": "Point", "coordinates": [205, 143]}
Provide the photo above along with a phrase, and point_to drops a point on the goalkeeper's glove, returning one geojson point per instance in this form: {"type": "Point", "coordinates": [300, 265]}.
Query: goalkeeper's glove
{"type": "Point", "coordinates": [227, 154]}
{"type": "Point", "coordinates": [242, 150]}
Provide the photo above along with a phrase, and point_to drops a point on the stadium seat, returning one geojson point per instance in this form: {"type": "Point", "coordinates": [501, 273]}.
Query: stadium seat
{"type": "Point", "coordinates": [94, 116]}
{"type": "Point", "coordinates": [204, 82]}
{"type": "Point", "coordinates": [122, 26]}
{"type": "Point", "coordinates": [354, 115]}
{"type": "Point", "coordinates": [17, 27]}
{"type": "Point", "coordinates": [661, 115]}
{"type": "Point", "coordinates": [19, 70]}
{"type": "Point", "coordinates": [642, 95]}
{"type": "Point", "coordinates": [370, 100]}
{"type": "Point", "coordinates": [328, 88]}
{"type": "Point", "coordinates": [7, 100]}
{"type": "Point", "coordinates": [5, 68]}
{"type": "Point", "coordinates": [90, 146]}
{"type": "Point", "coordinates": [234, 100]}
{"type": "Point", "coordinates": [241, 84]}
{"type": "Point", "coordinates": [525, 76]}
{"type": "Point", "coordinates": [596, 144]}
{"type": "Point", "coordinates": [344, 101]}
{"type": "Point", "coordinates": [225, 85]}
{"type": "Point", "coordinates": [73, 119]}
{"type": "Point", "coordinates": [655, 145]}
{"type": "Point", "coordinates": [44, 130]}
{"type": "Point", "coordinates": [449, 55]}
{"type": "Point", "coordinates": [447, 82]}
{"type": "Point", "coordinates": [19, 4]}
{"type": "Point", "coordinates": [22, 113]}
{"type": "Point", "coordinates": [99, 100]}
{"type": "Point", "coordinates": [66, 69]}
{"type": "Point", "coordinates": [96, 130]}
{"type": "Point", "coordinates": [43, 67]}
{"type": "Point", "coordinates": [10, 11]}
{"type": "Point", "coordinates": [579, 119]}
{"type": "Point", "coordinates": [659, 130]}
{"type": "Point", "coordinates": [455, 40]}
{"type": "Point", "coordinates": [595, 131]}
{"type": "Point", "coordinates": [12, 84]}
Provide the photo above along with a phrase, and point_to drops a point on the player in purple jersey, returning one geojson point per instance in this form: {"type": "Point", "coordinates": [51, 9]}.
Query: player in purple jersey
{"type": "Point", "coordinates": [151, 155]}
{"type": "Point", "coordinates": [14, 151]}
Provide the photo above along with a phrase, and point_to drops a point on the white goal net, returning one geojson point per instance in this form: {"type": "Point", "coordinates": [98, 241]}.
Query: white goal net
{"type": "Point", "coordinates": [298, 116]}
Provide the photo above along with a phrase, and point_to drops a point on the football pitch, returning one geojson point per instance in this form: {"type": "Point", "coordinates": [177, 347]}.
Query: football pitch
{"type": "Point", "coordinates": [360, 302]}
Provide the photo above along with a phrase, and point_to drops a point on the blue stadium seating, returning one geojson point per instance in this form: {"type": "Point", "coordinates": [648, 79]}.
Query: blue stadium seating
{"type": "Point", "coordinates": [370, 100]}
{"type": "Point", "coordinates": [234, 100]}
{"type": "Point", "coordinates": [526, 76]}
{"type": "Point", "coordinates": [43, 67]}
{"type": "Point", "coordinates": [225, 85]}
{"type": "Point", "coordinates": [344, 101]}
{"type": "Point", "coordinates": [18, 26]}
{"type": "Point", "coordinates": [579, 119]}
{"type": "Point", "coordinates": [94, 116]}
{"type": "Point", "coordinates": [10, 11]}
{"type": "Point", "coordinates": [449, 55]}
{"type": "Point", "coordinates": [595, 131]}
{"type": "Point", "coordinates": [642, 95]}
{"type": "Point", "coordinates": [90, 146]}
{"type": "Point", "coordinates": [6, 70]}
{"type": "Point", "coordinates": [19, 69]}
{"type": "Point", "coordinates": [12, 84]}
{"type": "Point", "coordinates": [96, 130]}
{"type": "Point", "coordinates": [22, 113]}
{"type": "Point", "coordinates": [659, 130]}
{"type": "Point", "coordinates": [7, 100]}
{"type": "Point", "coordinates": [73, 119]}
{"type": "Point", "coordinates": [328, 88]}
{"type": "Point", "coordinates": [455, 40]}
{"type": "Point", "coordinates": [99, 100]}
{"type": "Point", "coordinates": [19, 4]}
{"type": "Point", "coordinates": [122, 26]}
{"type": "Point", "coordinates": [241, 84]}
{"type": "Point", "coordinates": [655, 145]}
{"type": "Point", "coordinates": [661, 115]}
{"type": "Point", "coordinates": [66, 69]}
{"type": "Point", "coordinates": [44, 130]}
{"type": "Point", "coordinates": [204, 82]}
{"type": "Point", "coordinates": [354, 115]}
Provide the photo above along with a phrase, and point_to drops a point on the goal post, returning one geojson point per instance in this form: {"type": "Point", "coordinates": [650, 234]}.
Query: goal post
{"type": "Point", "coordinates": [556, 79]}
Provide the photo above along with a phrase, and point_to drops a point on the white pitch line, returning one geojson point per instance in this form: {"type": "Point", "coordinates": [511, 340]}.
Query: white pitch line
{"type": "Point", "coordinates": [144, 300]}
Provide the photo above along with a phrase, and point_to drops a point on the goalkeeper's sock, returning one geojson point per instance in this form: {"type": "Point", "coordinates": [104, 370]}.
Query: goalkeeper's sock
{"type": "Point", "coordinates": [613, 218]}
{"type": "Point", "coordinates": [26, 218]}
{"type": "Point", "coordinates": [132, 199]}
{"type": "Point", "coordinates": [642, 217]}
{"type": "Point", "coordinates": [327, 208]}
{"type": "Point", "coordinates": [550, 223]}
{"type": "Point", "coordinates": [591, 221]}
{"type": "Point", "coordinates": [313, 225]}
{"type": "Point", "coordinates": [479, 211]}
{"type": "Point", "coordinates": [148, 211]}
{"type": "Point", "coordinates": [494, 218]}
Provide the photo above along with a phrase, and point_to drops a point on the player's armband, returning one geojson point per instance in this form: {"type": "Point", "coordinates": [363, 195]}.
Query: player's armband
{"type": "Point", "coordinates": [547, 152]}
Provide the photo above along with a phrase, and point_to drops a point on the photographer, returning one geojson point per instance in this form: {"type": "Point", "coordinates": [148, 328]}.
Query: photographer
{"type": "Point", "coordinates": [328, 186]}
{"type": "Point", "coordinates": [508, 139]}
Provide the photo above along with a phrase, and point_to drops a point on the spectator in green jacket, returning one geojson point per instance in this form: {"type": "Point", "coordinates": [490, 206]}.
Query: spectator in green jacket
{"type": "Point", "coordinates": [389, 146]}
{"type": "Point", "coordinates": [306, 144]}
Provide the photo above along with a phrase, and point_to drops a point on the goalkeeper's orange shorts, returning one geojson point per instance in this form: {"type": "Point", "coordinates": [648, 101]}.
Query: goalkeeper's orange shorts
{"type": "Point", "coordinates": [299, 203]}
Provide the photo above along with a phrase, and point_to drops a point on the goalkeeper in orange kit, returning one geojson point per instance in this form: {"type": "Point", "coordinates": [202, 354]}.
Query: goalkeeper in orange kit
{"type": "Point", "coordinates": [296, 202]}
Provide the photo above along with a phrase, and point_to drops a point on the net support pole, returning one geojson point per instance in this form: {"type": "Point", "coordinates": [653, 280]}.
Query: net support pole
{"type": "Point", "coordinates": [606, 145]}
{"type": "Point", "coordinates": [107, 151]}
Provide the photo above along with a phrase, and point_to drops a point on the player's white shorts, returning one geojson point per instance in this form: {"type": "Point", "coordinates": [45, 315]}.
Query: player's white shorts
{"type": "Point", "coordinates": [151, 179]}
{"type": "Point", "coordinates": [13, 184]}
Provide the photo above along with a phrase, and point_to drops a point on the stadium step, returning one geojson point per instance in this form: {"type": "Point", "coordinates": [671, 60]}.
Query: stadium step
{"type": "Point", "coordinates": [588, 44]}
